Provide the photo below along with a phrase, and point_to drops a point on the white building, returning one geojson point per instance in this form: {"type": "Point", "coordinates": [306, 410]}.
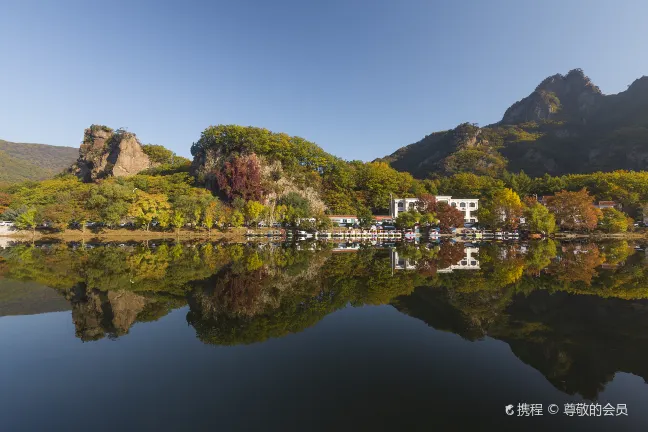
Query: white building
{"type": "Point", "coordinates": [468, 206]}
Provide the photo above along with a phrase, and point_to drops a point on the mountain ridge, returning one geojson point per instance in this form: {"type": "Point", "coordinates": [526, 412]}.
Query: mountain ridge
{"type": "Point", "coordinates": [32, 161]}
{"type": "Point", "coordinates": [565, 125]}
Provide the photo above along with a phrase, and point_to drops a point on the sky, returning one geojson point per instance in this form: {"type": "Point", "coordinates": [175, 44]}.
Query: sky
{"type": "Point", "coordinates": [359, 78]}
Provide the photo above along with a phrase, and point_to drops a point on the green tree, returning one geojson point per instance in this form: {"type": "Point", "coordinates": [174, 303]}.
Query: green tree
{"type": "Point", "coordinates": [539, 219]}
{"type": "Point", "coordinates": [236, 219]}
{"type": "Point", "coordinates": [28, 220]}
{"type": "Point", "coordinates": [502, 210]}
{"type": "Point", "coordinates": [407, 219]}
{"type": "Point", "coordinates": [148, 207]}
{"type": "Point", "coordinates": [177, 220]}
{"type": "Point", "coordinates": [365, 217]}
{"type": "Point", "coordinates": [614, 221]}
{"type": "Point", "coordinates": [253, 211]}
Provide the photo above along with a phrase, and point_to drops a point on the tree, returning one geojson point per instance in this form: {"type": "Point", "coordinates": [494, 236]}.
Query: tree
{"type": "Point", "coordinates": [365, 217]}
{"type": "Point", "coordinates": [5, 201]}
{"type": "Point", "coordinates": [297, 207]}
{"type": "Point", "coordinates": [241, 177]}
{"type": "Point", "coordinates": [236, 219]}
{"type": "Point", "coordinates": [148, 207]}
{"type": "Point", "coordinates": [538, 218]}
{"type": "Point", "coordinates": [28, 220]}
{"type": "Point", "coordinates": [448, 216]}
{"type": "Point", "coordinates": [253, 211]}
{"type": "Point", "coordinates": [614, 221]}
{"type": "Point", "coordinates": [428, 219]}
{"type": "Point", "coordinates": [502, 210]}
{"type": "Point", "coordinates": [408, 219]}
{"type": "Point", "coordinates": [426, 203]}
{"type": "Point", "coordinates": [573, 210]}
{"type": "Point", "coordinates": [211, 215]}
{"type": "Point", "coordinates": [177, 220]}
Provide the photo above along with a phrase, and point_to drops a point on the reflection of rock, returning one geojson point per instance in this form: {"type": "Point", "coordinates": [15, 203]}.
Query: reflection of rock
{"type": "Point", "coordinates": [97, 313]}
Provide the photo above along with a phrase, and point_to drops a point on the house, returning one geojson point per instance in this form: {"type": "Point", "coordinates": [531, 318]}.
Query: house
{"type": "Point", "coordinates": [468, 206]}
{"type": "Point", "coordinates": [343, 220]}
{"type": "Point", "coordinates": [608, 204]}
{"type": "Point", "coordinates": [383, 219]}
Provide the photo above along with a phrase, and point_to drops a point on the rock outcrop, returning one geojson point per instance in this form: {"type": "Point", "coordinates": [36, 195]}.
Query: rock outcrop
{"type": "Point", "coordinates": [105, 152]}
{"type": "Point", "coordinates": [571, 95]}
{"type": "Point", "coordinates": [277, 183]}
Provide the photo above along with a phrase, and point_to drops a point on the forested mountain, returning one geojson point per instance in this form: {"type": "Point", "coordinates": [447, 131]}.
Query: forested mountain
{"type": "Point", "coordinates": [566, 125]}
{"type": "Point", "coordinates": [20, 162]}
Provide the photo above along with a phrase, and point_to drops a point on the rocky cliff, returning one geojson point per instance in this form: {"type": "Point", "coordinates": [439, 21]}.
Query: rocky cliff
{"type": "Point", "coordinates": [566, 125]}
{"type": "Point", "coordinates": [105, 152]}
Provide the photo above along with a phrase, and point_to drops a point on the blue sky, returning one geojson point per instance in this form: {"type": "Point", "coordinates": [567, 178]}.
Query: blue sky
{"type": "Point", "coordinates": [360, 78]}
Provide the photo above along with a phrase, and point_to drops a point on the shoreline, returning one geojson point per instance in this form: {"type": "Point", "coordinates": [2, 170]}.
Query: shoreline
{"type": "Point", "coordinates": [241, 234]}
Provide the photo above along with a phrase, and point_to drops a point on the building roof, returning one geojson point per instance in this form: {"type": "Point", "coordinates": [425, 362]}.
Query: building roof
{"type": "Point", "coordinates": [383, 217]}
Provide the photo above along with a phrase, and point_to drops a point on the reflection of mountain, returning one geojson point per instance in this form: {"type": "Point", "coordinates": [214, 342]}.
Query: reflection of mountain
{"type": "Point", "coordinates": [26, 298]}
{"type": "Point", "coordinates": [577, 341]}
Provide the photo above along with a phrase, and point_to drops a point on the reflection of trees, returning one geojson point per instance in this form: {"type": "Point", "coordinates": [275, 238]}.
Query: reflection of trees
{"type": "Point", "coordinates": [243, 293]}
{"type": "Point", "coordinates": [577, 264]}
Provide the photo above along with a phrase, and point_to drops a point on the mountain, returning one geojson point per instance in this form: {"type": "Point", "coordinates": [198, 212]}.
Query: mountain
{"type": "Point", "coordinates": [20, 162]}
{"type": "Point", "coordinates": [566, 125]}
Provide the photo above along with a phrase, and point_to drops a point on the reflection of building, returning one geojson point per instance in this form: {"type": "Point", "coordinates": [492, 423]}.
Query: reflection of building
{"type": "Point", "coordinates": [468, 206]}
{"type": "Point", "coordinates": [399, 263]}
{"type": "Point", "coordinates": [470, 261]}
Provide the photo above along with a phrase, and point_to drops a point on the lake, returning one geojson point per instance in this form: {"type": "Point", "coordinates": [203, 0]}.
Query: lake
{"type": "Point", "coordinates": [322, 336]}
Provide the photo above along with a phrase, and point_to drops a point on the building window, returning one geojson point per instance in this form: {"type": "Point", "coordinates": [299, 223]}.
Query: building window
{"type": "Point", "coordinates": [400, 205]}
{"type": "Point", "coordinates": [465, 220]}
{"type": "Point", "coordinates": [472, 220]}
{"type": "Point", "coordinates": [463, 263]}
{"type": "Point", "coordinates": [462, 205]}
{"type": "Point", "coordinates": [473, 262]}
{"type": "Point", "coordinates": [472, 204]}
{"type": "Point", "coordinates": [454, 204]}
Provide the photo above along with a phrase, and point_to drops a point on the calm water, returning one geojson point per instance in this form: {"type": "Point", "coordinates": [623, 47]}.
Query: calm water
{"type": "Point", "coordinates": [322, 337]}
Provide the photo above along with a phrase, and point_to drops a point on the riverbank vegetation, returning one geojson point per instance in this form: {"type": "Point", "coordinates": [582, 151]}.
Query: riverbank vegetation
{"type": "Point", "coordinates": [250, 176]}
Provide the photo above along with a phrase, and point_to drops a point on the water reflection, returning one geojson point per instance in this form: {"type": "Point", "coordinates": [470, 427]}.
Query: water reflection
{"type": "Point", "coordinates": [577, 312]}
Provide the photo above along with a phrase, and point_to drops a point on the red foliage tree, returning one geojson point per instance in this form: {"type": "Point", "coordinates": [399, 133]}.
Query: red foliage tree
{"type": "Point", "coordinates": [574, 210]}
{"type": "Point", "coordinates": [5, 200]}
{"type": "Point", "coordinates": [449, 217]}
{"type": "Point", "coordinates": [427, 203]}
{"type": "Point", "coordinates": [241, 178]}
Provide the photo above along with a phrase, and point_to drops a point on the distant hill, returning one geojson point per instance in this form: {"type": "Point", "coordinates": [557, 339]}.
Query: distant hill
{"type": "Point", "coordinates": [20, 162]}
{"type": "Point", "coordinates": [566, 125]}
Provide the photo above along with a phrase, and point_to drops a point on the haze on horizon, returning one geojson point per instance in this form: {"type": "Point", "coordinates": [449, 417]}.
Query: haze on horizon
{"type": "Point", "coordinates": [360, 78]}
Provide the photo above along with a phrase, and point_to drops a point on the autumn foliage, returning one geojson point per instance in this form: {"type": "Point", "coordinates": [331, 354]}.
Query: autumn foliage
{"type": "Point", "coordinates": [574, 210]}
{"type": "Point", "coordinates": [241, 178]}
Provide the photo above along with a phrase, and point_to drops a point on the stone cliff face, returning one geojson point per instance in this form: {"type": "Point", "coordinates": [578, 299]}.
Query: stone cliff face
{"type": "Point", "coordinates": [105, 152]}
{"type": "Point", "coordinates": [557, 96]}
{"type": "Point", "coordinates": [277, 183]}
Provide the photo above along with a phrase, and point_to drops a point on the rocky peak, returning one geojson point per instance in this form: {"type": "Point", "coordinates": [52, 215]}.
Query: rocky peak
{"type": "Point", "coordinates": [558, 96]}
{"type": "Point", "coordinates": [105, 152]}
